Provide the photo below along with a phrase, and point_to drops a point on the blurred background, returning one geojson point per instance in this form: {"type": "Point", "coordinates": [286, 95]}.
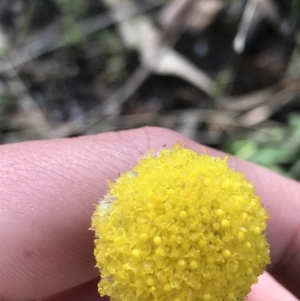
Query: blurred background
{"type": "Point", "coordinates": [222, 72]}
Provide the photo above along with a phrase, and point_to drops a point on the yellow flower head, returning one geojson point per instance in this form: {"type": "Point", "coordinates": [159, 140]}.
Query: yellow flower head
{"type": "Point", "coordinates": [180, 226]}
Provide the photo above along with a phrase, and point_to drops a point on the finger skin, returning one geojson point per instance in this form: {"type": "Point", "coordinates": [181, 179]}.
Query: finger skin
{"type": "Point", "coordinates": [84, 292]}
{"type": "Point", "coordinates": [49, 189]}
{"type": "Point", "coordinates": [268, 288]}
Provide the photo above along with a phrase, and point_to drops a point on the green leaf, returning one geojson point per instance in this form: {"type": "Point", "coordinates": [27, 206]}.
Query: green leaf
{"type": "Point", "coordinates": [245, 149]}
{"type": "Point", "coordinates": [270, 156]}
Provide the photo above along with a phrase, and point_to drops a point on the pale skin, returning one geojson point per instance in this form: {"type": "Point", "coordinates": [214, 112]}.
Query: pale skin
{"type": "Point", "coordinates": [48, 193]}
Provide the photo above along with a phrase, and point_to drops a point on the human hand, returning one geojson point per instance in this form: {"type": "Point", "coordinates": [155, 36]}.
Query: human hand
{"type": "Point", "coordinates": [48, 192]}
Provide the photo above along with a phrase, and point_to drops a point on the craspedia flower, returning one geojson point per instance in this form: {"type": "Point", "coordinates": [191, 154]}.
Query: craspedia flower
{"type": "Point", "coordinates": [180, 226]}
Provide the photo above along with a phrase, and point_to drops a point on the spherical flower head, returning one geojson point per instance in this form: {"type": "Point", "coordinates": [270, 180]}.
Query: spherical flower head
{"type": "Point", "coordinates": [180, 226]}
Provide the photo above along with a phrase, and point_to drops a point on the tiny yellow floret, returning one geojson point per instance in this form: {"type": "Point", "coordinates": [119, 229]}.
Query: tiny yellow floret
{"type": "Point", "coordinates": [157, 240]}
{"type": "Point", "coordinates": [183, 214]}
{"type": "Point", "coordinates": [231, 296]}
{"type": "Point", "coordinates": [226, 253]}
{"type": "Point", "coordinates": [180, 226]}
{"type": "Point", "coordinates": [207, 181]}
{"type": "Point", "coordinates": [225, 223]}
{"type": "Point", "coordinates": [216, 226]}
{"type": "Point", "coordinates": [181, 263]}
{"type": "Point", "coordinates": [136, 253]}
{"type": "Point", "coordinates": [150, 281]}
{"type": "Point", "coordinates": [206, 296]}
{"type": "Point", "coordinates": [257, 230]}
{"type": "Point", "coordinates": [240, 236]}
{"type": "Point", "coordinates": [202, 243]}
{"type": "Point", "coordinates": [193, 265]}
{"type": "Point", "coordinates": [219, 212]}
{"type": "Point", "coordinates": [144, 237]}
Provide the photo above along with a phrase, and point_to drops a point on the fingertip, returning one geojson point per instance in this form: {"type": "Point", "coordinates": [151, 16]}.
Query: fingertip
{"type": "Point", "coordinates": [85, 292]}
{"type": "Point", "coordinates": [268, 288]}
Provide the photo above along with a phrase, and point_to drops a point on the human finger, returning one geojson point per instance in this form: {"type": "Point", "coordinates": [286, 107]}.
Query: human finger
{"type": "Point", "coordinates": [48, 192]}
{"type": "Point", "coordinates": [268, 288]}
{"type": "Point", "coordinates": [84, 292]}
